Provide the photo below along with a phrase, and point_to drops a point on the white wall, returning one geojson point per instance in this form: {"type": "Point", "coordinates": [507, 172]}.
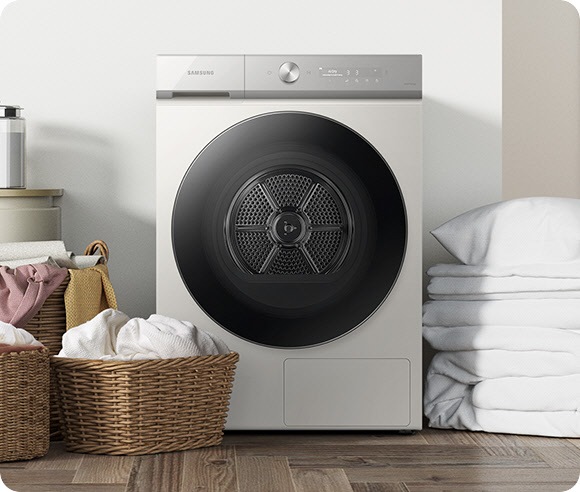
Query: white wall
{"type": "Point", "coordinates": [84, 71]}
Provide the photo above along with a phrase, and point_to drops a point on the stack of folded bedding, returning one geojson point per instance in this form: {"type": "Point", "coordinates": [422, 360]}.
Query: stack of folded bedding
{"type": "Point", "coordinates": [507, 320]}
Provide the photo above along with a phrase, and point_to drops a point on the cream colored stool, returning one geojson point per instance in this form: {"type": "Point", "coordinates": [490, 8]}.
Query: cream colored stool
{"type": "Point", "coordinates": [29, 215]}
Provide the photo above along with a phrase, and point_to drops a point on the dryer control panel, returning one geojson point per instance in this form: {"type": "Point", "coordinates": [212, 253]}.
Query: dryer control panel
{"type": "Point", "coordinates": [290, 76]}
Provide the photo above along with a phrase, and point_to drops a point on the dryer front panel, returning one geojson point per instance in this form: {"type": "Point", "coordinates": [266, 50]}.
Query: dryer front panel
{"type": "Point", "coordinates": [289, 229]}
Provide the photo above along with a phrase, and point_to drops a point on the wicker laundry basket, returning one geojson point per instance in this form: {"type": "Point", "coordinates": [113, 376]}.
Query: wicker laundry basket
{"type": "Point", "coordinates": [49, 325]}
{"type": "Point", "coordinates": [24, 404]}
{"type": "Point", "coordinates": [146, 406]}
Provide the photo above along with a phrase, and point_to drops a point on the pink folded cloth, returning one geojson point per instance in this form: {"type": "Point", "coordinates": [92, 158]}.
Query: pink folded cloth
{"type": "Point", "coordinates": [6, 348]}
{"type": "Point", "coordinates": [24, 289]}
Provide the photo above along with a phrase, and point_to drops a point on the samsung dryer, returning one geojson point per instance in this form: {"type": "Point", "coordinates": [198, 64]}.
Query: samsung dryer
{"type": "Point", "coordinates": [289, 224]}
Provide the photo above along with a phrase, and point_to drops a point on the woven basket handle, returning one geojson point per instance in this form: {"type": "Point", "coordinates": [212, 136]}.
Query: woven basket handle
{"type": "Point", "coordinates": [98, 247]}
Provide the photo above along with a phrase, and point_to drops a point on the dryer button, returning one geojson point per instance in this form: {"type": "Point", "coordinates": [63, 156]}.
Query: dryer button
{"type": "Point", "coordinates": [289, 72]}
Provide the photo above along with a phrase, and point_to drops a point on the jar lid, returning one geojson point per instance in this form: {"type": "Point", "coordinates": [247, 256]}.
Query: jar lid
{"type": "Point", "coordinates": [10, 111]}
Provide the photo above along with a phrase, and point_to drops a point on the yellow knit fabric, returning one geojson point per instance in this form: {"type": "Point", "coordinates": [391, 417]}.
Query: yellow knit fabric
{"type": "Point", "coordinates": [88, 293]}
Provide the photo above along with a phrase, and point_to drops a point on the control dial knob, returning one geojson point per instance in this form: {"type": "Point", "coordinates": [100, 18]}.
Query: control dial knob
{"type": "Point", "coordinates": [289, 72]}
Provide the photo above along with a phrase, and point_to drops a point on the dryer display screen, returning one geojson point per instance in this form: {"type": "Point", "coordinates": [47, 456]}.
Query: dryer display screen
{"type": "Point", "coordinates": [349, 72]}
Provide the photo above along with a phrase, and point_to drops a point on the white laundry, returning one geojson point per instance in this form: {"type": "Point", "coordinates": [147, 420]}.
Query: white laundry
{"type": "Point", "coordinates": [52, 253]}
{"type": "Point", "coordinates": [507, 365]}
{"type": "Point", "coordinates": [11, 335]}
{"type": "Point", "coordinates": [497, 288]}
{"type": "Point", "coordinates": [516, 338]}
{"type": "Point", "coordinates": [160, 337]}
{"type": "Point", "coordinates": [95, 339]}
{"type": "Point", "coordinates": [471, 366]}
{"type": "Point", "coordinates": [519, 405]}
{"type": "Point", "coordinates": [554, 270]}
{"type": "Point", "coordinates": [557, 313]}
{"type": "Point", "coordinates": [112, 335]}
{"type": "Point", "coordinates": [507, 296]}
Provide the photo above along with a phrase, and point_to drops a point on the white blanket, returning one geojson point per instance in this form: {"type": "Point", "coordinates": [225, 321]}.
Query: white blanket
{"type": "Point", "coordinates": [519, 405]}
{"type": "Point", "coordinates": [111, 335]}
{"type": "Point", "coordinates": [472, 366]}
{"type": "Point", "coordinates": [555, 270]}
{"type": "Point", "coordinates": [496, 288]}
{"type": "Point", "coordinates": [555, 313]}
{"type": "Point", "coordinates": [516, 338]}
{"type": "Point", "coordinates": [507, 296]}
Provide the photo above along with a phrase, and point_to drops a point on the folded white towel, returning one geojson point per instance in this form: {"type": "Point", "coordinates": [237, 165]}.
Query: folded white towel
{"type": "Point", "coordinates": [555, 270]}
{"type": "Point", "coordinates": [53, 253]}
{"type": "Point", "coordinates": [74, 261]}
{"type": "Point", "coordinates": [519, 405]}
{"type": "Point", "coordinates": [33, 249]}
{"type": "Point", "coordinates": [473, 366]}
{"type": "Point", "coordinates": [517, 338]}
{"type": "Point", "coordinates": [11, 335]}
{"type": "Point", "coordinates": [455, 286]}
{"type": "Point", "coordinates": [111, 335]}
{"type": "Point", "coordinates": [555, 313]}
{"type": "Point", "coordinates": [507, 296]}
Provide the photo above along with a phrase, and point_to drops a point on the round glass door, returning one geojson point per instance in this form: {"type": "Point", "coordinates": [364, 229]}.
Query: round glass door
{"type": "Point", "coordinates": [289, 229]}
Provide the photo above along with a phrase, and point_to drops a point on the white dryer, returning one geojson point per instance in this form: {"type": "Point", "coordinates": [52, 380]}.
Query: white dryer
{"type": "Point", "coordinates": [289, 224]}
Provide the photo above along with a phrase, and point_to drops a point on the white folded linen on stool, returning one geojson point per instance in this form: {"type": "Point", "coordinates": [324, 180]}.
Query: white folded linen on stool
{"type": "Point", "coordinates": [112, 335]}
{"type": "Point", "coordinates": [53, 253]}
{"type": "Point", "coordinates": [33, 249]}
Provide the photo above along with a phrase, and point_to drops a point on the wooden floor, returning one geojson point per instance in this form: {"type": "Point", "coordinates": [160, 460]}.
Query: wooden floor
{"type": "Point", "coordinates": [430, 460]}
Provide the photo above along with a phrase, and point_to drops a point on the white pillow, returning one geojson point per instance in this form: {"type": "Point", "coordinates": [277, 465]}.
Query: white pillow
{"type": "Point", "coordinates": [515, 232]}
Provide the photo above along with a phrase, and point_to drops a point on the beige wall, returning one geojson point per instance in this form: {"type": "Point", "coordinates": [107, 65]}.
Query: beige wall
{"type": "Point", "coordinates": [541, 99]}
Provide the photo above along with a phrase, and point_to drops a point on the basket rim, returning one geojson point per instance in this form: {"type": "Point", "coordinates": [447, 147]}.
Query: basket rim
{"type": "Point", "coordinates": [40, 350]}
{"type": "Point", "coordinates": [200, 359]}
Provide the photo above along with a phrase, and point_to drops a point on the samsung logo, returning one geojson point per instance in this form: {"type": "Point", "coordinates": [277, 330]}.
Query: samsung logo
{"type": "Point", "coordinates": [200, 72]}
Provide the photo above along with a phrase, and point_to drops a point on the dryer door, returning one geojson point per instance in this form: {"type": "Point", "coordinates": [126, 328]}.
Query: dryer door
{"type": "Point", "coordinates": [289, 229]}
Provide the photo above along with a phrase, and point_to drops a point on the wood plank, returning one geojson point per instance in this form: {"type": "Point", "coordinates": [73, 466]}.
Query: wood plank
{"type": "Point", "coordinates": [14, 465]}
{"type": "Point", "coordinates": [56, 459]}
{"type": "Point", "coordinates": [444, 475]}
{"type": "Point", "coordinates": [379, 487]}
{"type": "Point", "coordinates": [479, 487]}
{"type": "Point", "coordinates": [424, 456]}
{"type": "Point", "coordinates": [328, 438]}
{"type": "Point", "coordinates": [264, 474]}
{"type": "Point", "coordinates": [209, 469]}
{"type": "Point", "coordinates": [104, 469]}
{"type": "Point", "coordinates": [16, 477]}
{"type": "Point", "coordinates": [161, 471]}
{"type": "Point", "coordinates": [71, 488]}
{"type": "Point", "coordinates": [449, 437]}
{"type": "Point", "coordinates": [541, 441]}
{"type": "Point", "coordinates": [327, 450]}
{"type": "Point", "coordinates": [574, 442]}
{"type": "Point", "coordinates": [560, 457]}
{"type": "Point", "coordinates": [320, 480]}
{"type": "Point", "coordinates": [494, 440]}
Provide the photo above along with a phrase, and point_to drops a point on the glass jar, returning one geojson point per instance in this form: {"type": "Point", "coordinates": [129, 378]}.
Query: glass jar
{"type": "Point", "coordinates": [12, 152]}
